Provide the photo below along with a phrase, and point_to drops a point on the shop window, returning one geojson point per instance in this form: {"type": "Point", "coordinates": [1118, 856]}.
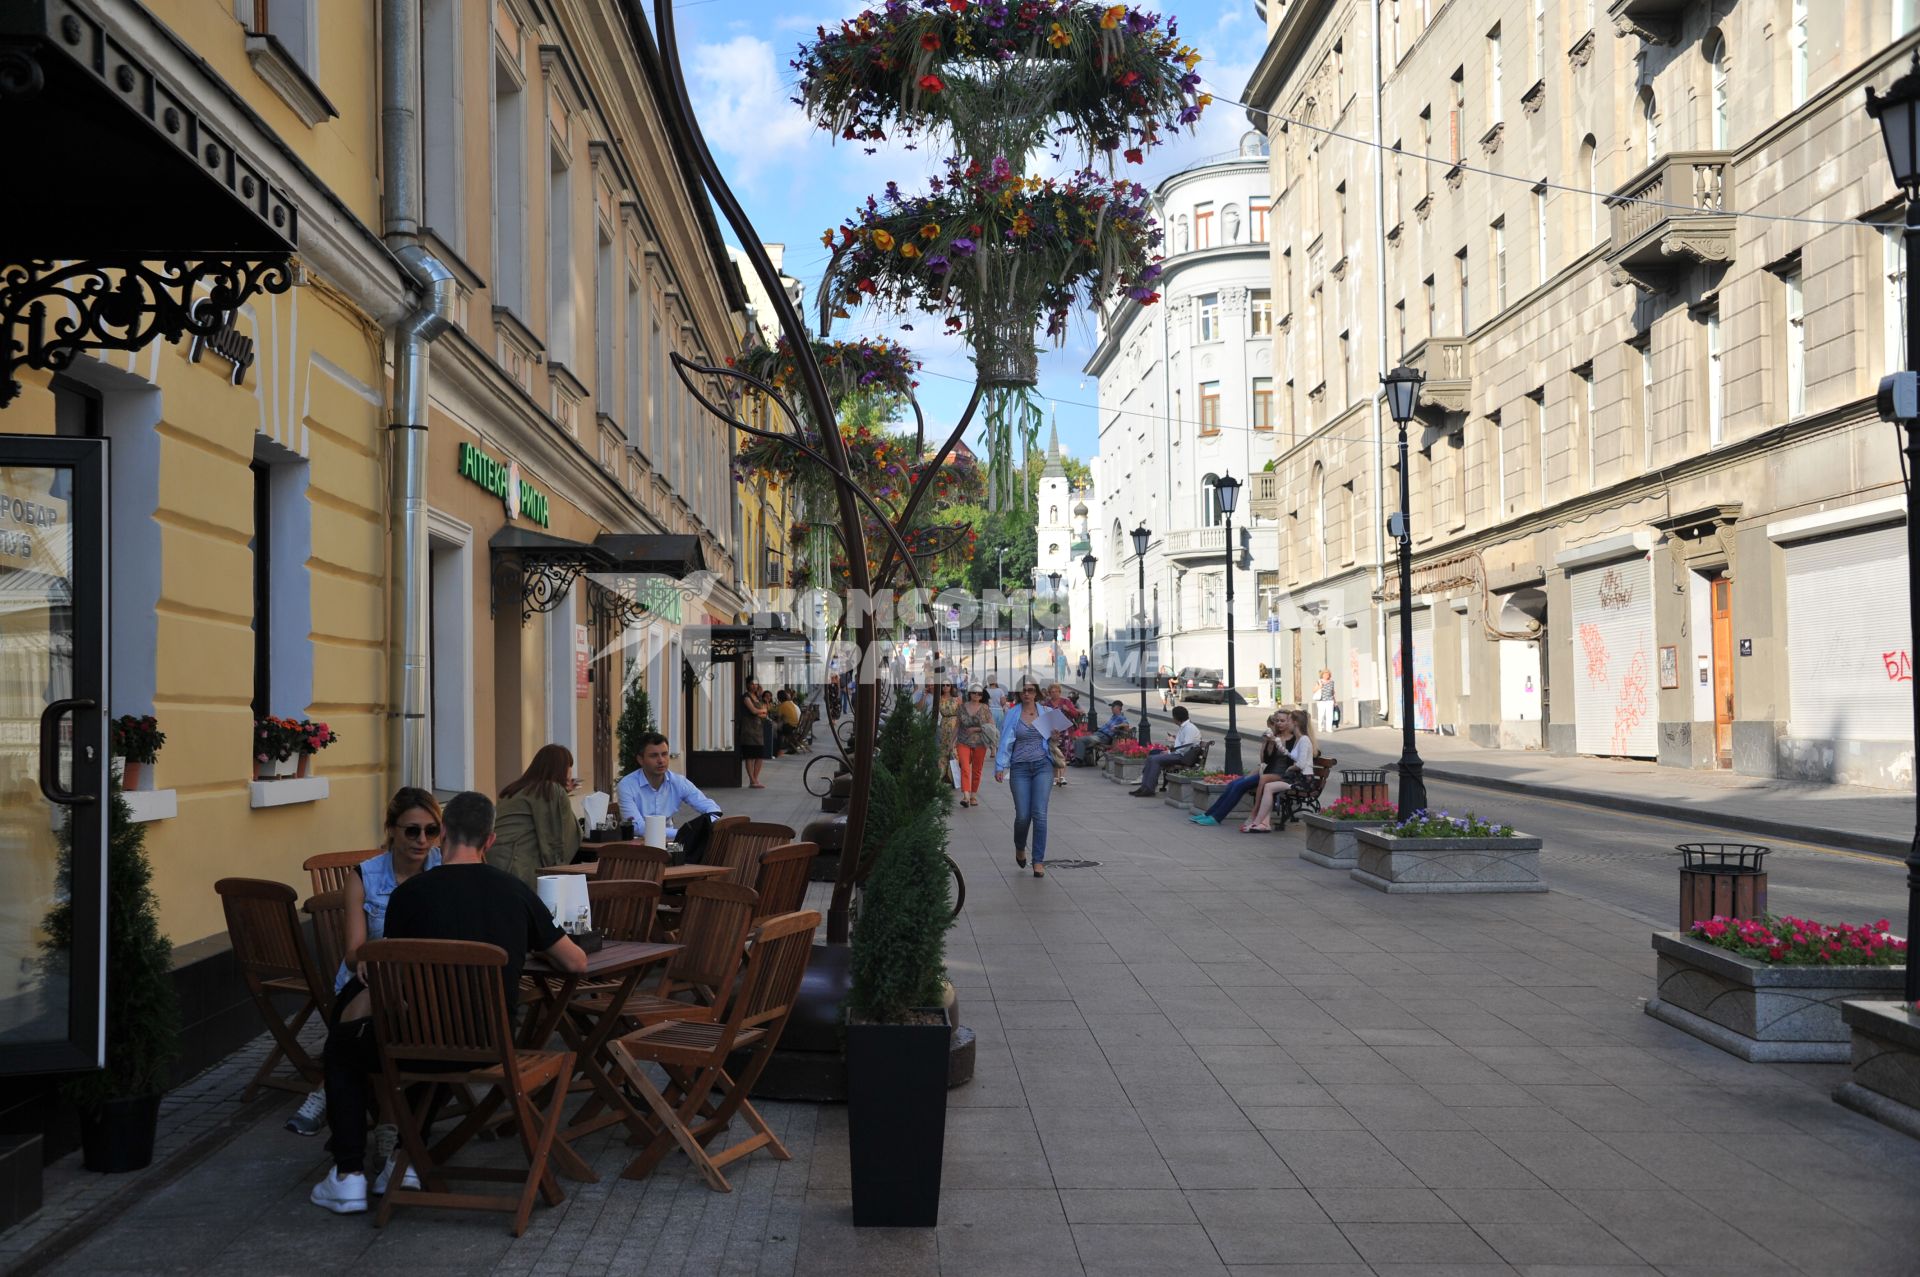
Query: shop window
{"type": "Point", "coordinates": [282, 602]}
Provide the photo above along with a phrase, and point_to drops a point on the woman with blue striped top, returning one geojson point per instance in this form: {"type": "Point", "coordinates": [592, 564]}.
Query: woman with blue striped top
{"type": "Point", "coordinates": [1022, 757]}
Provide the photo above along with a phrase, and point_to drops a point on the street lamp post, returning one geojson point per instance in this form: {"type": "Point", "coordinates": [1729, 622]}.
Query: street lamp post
{"type": "Point", "coordinates": [1898, 112]}
{"type": "Point", "coordinates": [1088, 564]}
{"type": "Point", "coordinates": [1141, 536]}
{"type": "Point", "coordinates": [1403, 394]}
{"type": "Point", "coordinates": [1027, 672]}
{"type": "Point", "coordinates": [1053, 594]}
{"type": "Point", "coordinates": [1226, 490]}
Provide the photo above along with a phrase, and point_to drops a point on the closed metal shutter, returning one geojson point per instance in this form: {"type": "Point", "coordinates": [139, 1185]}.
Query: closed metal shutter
{"type": "Point", "coordinates": [1849, 661]}
{"type": "Point", "coordinates": [1423, 718]}
{"type": "Point", "coordinates": [1613, 660]}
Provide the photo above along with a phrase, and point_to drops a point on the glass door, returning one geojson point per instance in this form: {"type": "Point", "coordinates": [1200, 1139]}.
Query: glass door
{"type": "Point", "coordinates": [53, 752]}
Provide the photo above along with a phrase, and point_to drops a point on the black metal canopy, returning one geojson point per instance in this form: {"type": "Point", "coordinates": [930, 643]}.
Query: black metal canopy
{"type": "Point", "coordinates": [667, 554]}
{"type": "Point", "coordinates": [545, 566]}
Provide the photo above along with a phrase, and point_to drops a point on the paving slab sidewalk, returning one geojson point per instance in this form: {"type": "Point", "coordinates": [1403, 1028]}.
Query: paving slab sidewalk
{"type": "Point", "coordinates": [1203, 1055]}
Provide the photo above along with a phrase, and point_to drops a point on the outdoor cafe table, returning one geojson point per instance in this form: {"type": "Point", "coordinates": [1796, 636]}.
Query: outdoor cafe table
{"type": "Point", "coordinates": [676, 877]}
{"type": "Point", "coordinates": [622, 959]}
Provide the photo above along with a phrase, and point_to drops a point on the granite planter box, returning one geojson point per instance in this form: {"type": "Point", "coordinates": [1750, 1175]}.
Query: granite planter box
{"type": "Point", "coordinates": [1125, 771]}
{"type": "Point", "coordinates": [1886, 1064]}
{"type": "Point", "coordinates": [1203, 794]}
{"type": "Point", "coordinates": [1176, 791]}
{"type": "Point", "coordinates": [1759, 1012]}
{"type": "Point", "coordinates": [1334, 844]}
{"type": "Point", "coordinates": [1447, 866]}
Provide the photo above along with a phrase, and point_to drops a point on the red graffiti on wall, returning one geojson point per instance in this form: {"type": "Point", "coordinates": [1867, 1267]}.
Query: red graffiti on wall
{"type": "Point", "coordinates": [1593, 645]}
{"type": "Point", "coordinates": [1631, 707]}
{"type": "Point", "coordinates": [1899, 666]}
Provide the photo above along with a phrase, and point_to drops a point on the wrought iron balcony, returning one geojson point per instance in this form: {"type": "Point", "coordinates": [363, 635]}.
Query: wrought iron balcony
{"type": "Point", "coordinates": [1671, 214]}
{"type": "Point", "coordinates": [1448, 368]}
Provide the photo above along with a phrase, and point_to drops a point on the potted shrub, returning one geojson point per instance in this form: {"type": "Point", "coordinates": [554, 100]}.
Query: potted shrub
{"type": "Point", "coordinates": [1440, 853]}
{"type": "Point", "coordinates": [636, 720]}
{"type": "Point", "coordinates": [136, 745]}
{"type": "Point", "coordinates": [1331, 832]}
{"type": "Point", "coordinates": [897, 1028]}
{"type": "Point", "coordinates": [309, 738]}
{"type": "Point", "coordinates": [1770, 988]}
{"type": "Point", "coordinates": [119, 1105]}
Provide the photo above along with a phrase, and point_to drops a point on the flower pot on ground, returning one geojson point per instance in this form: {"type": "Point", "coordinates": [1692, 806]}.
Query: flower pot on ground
{"type": "Point", "coordinates": [1885, 1083]}
{"type": "Point", "coordinates": [1725, 990]}
{"type": "Point", "coordinates": [897, 1028]}
{"type": "Point", "coordinates": [1435, 853]}
{"type": "Point", "coordinates": [1332, 833]}
{"type": "Point", "coordinates": [1125, 769]}
{"type": "Point", "coordinates": [1178, 787]}
{"type": "Point", "coordinates": [119, 1105]}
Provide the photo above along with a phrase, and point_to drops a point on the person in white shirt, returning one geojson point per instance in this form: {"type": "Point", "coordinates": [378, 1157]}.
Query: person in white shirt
{"type": "Point", "coordinates": [652, 790]}
{"type": "Point", "coordinates": [1181, 753]}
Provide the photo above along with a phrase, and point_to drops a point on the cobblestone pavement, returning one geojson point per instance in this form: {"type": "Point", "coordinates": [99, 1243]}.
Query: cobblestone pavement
{"type": "Point", "coordinates": [1204, 1055]}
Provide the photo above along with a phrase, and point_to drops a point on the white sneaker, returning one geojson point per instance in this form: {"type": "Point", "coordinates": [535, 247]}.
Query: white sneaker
{"type": "Point", "coordinates": [341, 1194]}
{"type": "Point", "coordinates": [410, 1180]}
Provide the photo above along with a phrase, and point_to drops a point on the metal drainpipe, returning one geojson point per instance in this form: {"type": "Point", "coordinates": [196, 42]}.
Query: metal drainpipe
{"type": "Point", "coordinates": [407, 569]}
{"type": "Point", "coordinates": [1379, 440]}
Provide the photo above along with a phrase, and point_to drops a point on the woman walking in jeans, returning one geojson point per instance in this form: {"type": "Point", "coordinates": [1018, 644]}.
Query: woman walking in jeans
{"type": "Point", "coordinates": [1023, 755]}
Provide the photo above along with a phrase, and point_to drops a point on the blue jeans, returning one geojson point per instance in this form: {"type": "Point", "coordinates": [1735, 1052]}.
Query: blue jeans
{"type": "Point", "coordinates": [1032, 785]}
{"type": "Point", "coordinates": [1230, 796]}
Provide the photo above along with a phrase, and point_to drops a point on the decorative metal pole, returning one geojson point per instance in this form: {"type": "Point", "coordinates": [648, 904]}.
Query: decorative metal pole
{"type": "Point", "coordinates": [1403, 395]}
{"type": "Point", "coordinates": [1227, 491]}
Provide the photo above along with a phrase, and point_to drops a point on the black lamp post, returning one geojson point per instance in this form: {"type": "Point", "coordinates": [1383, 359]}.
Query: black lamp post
{"type": "Point", "coordinates": [1403, 395]}
{"type": "Point", "coordinates": [1087, 565]}
{"type": "Point", "coordinates": [1898, 112]}
{"type": "Point", "coordinates": [1032, 595]}
{"type": "Point", "coordinates": [1053, 581]}
{"type": "Point", "coordinates": [1226, 490]}
{"type": "Point", "coordinates": [1141, 536]}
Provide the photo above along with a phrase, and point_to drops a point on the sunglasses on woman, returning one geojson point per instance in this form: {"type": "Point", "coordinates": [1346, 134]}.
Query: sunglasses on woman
{"type": "Point", "coordinates": [417, 831]}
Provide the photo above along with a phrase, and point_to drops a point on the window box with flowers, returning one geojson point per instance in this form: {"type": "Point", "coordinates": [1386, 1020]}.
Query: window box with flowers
{"type": "Point", "coordinates": [1438, 853]}
{"type": "Point", "coordinates": [1770, 989]}
{"type": "Point", "coordinates": [1333, 832]}
{"type": "Point", "coordinates": [137, 740]}
{"type": "Point", "coordinates": [285, 747]}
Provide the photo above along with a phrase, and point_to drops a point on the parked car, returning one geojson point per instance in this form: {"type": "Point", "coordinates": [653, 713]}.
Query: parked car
{"type": "Point", "coordinates": [1196, 684]}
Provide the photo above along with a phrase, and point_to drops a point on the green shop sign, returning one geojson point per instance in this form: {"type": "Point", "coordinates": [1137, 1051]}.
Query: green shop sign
{"type": "Point", "coordinates": [502, 479]}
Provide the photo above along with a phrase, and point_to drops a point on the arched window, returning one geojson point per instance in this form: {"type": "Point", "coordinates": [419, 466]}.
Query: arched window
{"type": "Point", "coordinates": [1649, 124]}
{"type": "Point", "coordinates": [1717, 68]}
{"type": "Point", "coordinates": [1119, 548]}
{"type": "Point", "coordinates": [1053, 516]}
{"type": "Point", "coordinates": [1211, 514]}
{"type": "Point", "coordinates": [1590, 173]}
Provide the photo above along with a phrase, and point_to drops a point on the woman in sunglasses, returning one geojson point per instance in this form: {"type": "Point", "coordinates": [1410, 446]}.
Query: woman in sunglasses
{"type": "Point", "coordinates": [534, 827]}
{"type": "Point", "coordinates": [412, 847]}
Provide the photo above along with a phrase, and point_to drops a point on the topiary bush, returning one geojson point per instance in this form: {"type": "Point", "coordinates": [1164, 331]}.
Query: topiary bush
{"type": "Point", "coordinates": [636, 720]}
{"type": "Point", "coordinates": [142, 1013]}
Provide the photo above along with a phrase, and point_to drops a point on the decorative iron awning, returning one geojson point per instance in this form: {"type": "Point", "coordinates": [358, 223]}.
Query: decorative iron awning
{"type": "Point", "coordinates": [145, 221]}
{"type": "Point", "coordinates": [544, 567]}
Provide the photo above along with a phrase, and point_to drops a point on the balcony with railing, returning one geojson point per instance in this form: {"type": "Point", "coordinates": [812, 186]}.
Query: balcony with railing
{"type": "Point", "coordinates": [1448, 366]}
{"type": "Point", "coordinates": [1263, 497]}
{"type": "Point", "coordinates": [1199, 545]}
{"type": "Point", "coordinates": [1673, 213]}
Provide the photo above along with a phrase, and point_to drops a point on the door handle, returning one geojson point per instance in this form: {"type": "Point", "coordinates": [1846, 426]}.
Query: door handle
{"type": "Point", "coordinates": [50, 752]}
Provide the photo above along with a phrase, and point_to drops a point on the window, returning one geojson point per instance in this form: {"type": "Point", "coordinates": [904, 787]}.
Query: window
{"type": "Point", "coordinates": [441, 113]}
{"type": "Point", "coordinates": [1209, 407]}
{"type": "Point", "coordinates": [1717, 68]}
{"type": "Point", "coordinates": [635, 405]}
{"type": "Point", "coordinates": [1537, 435]}
{"type": "Point", "coordinates": [1346, 366]}
{"type": "Point", "coordinates": [1461, 289]}
{"type": "Point", "coordinates": [604, 333]}
{"type": "Point", "coordinates": [1590, 171]}
{"type": "Point", "coordinates": [1796, 343]}
{"type": "Point", "coordinates": [657, 429]}
{"type": "Point", "coordinates": [1433, 306]}
{"type": "Point", "coordinates": [1583, 413]}
{"type": "Point", "coordinates": [1286, 410]}
{"type": "Point", "coordinates": [262, 589]}
{"type": "Point", "coordinates": [1203, 226]}
{"type": "Point", "coordinates": [1797, 42]}
{"type": "Point", "coordinates": [1539, 39]}
{"type": "Point", "coordinates": [289, 24]}
{"type": "Point", "coordinates": [1649, 125]}
{"type": "Point", "coordinates": [282, 597]}
{"type": "Point", "coordinates": [1497, 445]}
{"type": "Point", "coordinates": [1394, 217]}
{"type": "Point", "coordinates": [1426, 149]}
{"type": "Point", "coordinates": [1893, 296]}
{"type": "Point", "coordinates": [1257, 215]}
{"type": "Point", "coordinates": [1498, 234]}
{"type": "Point", "coordinates": [1905, 12]}
{"type": "Point", "coordinates": [1340, 222]}
{"type": "Point", "coordinates": [1457, 121]}
{"type": "Point", "coordinates": [1262, 312]}
{"type": "Point", "coordinates": [1493, 76]}
{"type": "Point", "coordinates": [1644, 353]}
{"type": "Point", "coordinates": [560, 261]}
{"type": "Point", "coordinates": [1540, 232]}
{"type": "Point", "coordinates": [1210, 502]}
{"type": "Point", "coordinates": [509, 190]}
{"type": "Point", "coordinates": [1400, 324]}
{"type": "Point", "coordinates": [1208, 317]}
{"type": "Point", "coordinates": [1320, 529]}
{"type": "Point", "coordinates": [1716, 418]}
{"type": "Point", "coordinates": [1263, 403]}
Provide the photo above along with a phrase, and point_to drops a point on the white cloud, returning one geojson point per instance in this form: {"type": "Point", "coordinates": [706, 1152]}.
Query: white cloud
{"type": "Point", "coordinates": [743, 104]}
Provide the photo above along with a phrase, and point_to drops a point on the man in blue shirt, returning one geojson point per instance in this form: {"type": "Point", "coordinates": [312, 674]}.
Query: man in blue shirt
{"type": "Point", "coordinates": [652, 790]}
{"type": "Point", "coordinates": [1110, 731]}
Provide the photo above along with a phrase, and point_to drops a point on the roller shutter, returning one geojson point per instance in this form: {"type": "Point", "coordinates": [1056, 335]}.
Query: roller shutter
{"type": "Point", "coordinates": [1614, 674]}
{"type": "Point", "coordinates": [1849, 662]}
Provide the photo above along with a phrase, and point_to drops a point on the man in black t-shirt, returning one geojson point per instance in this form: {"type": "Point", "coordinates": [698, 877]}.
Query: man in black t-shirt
{"type": "Point", "coordinates": [476, 902]}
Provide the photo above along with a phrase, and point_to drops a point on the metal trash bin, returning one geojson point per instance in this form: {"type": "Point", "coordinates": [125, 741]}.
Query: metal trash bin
{"type": "Point", "coordinates": [1364, 785]}
{"type": "Point", "coordinates": [1721, 880]}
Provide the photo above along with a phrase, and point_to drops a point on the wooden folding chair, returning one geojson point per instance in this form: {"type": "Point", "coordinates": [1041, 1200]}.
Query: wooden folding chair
{"type": "Point", "coordinates": [719, 836]}
{"type": "Point", "coordinates": [714, 932]}
{"type": "Point", "coordinates": [630, 862]}
{"type": "Point", "coordinates": [328, 910]}
{"type": "Point", "coordinates": [440, 1017]}
{"type": "Point", "coordinates": [623, 909]}
{"type": "Point", "coordinates": [782, 879]}
{"type": "Point", "coordinates": [700, 1098]}
{"type": "Point", "coordinates": [265, 933]}
{"type": "Point", "coordinates": [740, 849]}
{"type": "Point", "coordinates": [331, 869]}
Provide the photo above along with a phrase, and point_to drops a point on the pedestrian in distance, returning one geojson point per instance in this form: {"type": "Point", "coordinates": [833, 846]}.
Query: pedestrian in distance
{"type": "Point", "coordinates": [1323, 704]}
{"type": "Point", "coordinates": [974, 735]}
{"type": "Point", "coordinates": [750, 733]}
{"type": "Point", "coordinates": [1022, 758]}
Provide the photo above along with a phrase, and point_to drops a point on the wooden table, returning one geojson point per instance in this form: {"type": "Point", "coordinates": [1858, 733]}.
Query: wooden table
{"type": "Point", "coordinates": [626, 960]}
{"type": "Point", "coordinates": [565, 869]}
{"type": "Point", "coordinates": [678, 876]}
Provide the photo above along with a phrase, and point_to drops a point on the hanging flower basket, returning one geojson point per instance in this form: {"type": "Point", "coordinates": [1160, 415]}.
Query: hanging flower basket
{"type": "Point", "coordinates": [1031, 69]}
{"type": "Point", "coordinates": [875, 366]}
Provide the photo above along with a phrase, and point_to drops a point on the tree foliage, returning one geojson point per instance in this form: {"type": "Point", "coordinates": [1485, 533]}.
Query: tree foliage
{"type": "Point", "coordinates": [636, 720]}
{"type": "Point", "coordinates": [899, 942]}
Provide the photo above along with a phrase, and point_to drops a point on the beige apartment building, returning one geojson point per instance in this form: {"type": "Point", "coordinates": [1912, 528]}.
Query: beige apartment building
{"type": "Point", "coordinates": [1644, 253]}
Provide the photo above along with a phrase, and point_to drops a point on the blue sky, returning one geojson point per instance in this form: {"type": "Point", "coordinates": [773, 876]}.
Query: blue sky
{"type": "Point", "coordinates": [795, 182]}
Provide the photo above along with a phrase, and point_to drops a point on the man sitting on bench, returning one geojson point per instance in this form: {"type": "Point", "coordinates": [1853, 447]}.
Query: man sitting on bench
{"type": "Point", "coordinates": [1184, 752]}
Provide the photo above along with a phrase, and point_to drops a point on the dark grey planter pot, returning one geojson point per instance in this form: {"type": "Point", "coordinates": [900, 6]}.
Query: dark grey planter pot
{"type": "Point", "coordinates": [1886, 1064]}
{"type": "Point", "coordinates": [1447, 866]}
{"type": "Point", "coordinates": [1334, 844]}
{"type": "Point", "coordinates": [1758, 1012]}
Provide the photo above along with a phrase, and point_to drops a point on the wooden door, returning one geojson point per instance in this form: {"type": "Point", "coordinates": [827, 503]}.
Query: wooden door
{"type": "Point", "coordinates": [1723, 671]}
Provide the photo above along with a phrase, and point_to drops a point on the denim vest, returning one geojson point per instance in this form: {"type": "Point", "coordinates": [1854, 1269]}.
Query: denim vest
{"type": "Point", "coordinates": [376, 878]}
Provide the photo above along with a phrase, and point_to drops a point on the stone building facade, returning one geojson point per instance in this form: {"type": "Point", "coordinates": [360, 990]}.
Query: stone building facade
{"type": "Point", "coordinates": [1642, 253]}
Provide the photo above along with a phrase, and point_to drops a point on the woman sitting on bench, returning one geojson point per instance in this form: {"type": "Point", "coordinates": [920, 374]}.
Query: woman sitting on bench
{"type": "Point", "coordinates": [1296, 738]}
